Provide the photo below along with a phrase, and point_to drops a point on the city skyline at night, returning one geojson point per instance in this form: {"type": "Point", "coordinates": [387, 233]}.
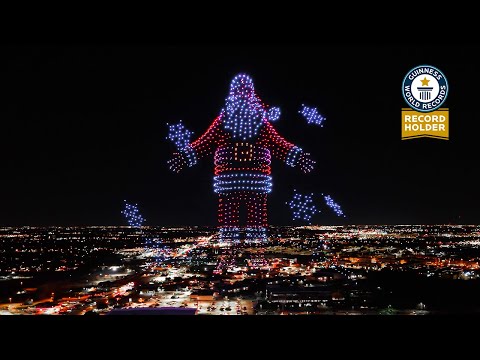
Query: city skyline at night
{"type": "Point", "coordinates": [361, 219]}
{"type": "Point", "coordinates": [322, 270]}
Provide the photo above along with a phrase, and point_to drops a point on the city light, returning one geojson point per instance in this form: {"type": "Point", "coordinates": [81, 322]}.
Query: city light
{"type": "Point", "coordinates": [293, 271]}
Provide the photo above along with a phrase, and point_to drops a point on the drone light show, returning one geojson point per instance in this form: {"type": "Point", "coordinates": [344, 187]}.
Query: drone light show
{"type": "Point", "coordinates": [312, 115]}
{"type": "Point", "coordinates": [132, 215]}
{"type": "Point", "coordinates": [333, 205]}
{"type": "Point", "coordinates": [302, 207]}
{"type": "Point", "coordinates": [243, 142]}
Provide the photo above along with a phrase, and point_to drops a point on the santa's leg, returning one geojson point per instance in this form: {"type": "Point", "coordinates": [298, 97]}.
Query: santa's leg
{"type": "Point", "coordinates": [256, 217]}
{"type": "Point", "coordinates": [228, 217]}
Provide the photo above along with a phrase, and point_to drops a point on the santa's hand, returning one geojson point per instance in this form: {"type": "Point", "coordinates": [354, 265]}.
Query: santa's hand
{"type": "Point", "coordinates": [306, 162]}
{"type": "Point", "coordinates": [177, 163]}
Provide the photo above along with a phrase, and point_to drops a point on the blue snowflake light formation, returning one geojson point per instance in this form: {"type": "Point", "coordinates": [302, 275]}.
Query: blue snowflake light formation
{"type": "Point", "coordinates": [302, 207]}
{"type": "Point", "coordinates": [333, 205]}
{"type": "Point", "coordinates": [312, 115]}
{"type": "Point", "coordinates": [132, 215]}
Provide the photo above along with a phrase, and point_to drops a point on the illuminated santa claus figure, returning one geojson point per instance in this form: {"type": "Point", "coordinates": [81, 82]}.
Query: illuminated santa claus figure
{"type": "Point", "coordinates": [243, 141]}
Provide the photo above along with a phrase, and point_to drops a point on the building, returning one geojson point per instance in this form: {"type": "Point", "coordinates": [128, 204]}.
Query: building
{"type": "Point", "coordinates": [154, 311]}
{"type": "Point", "coordinates": [203, 295]}
{"type": "Point", "coordinates": [295, 294]}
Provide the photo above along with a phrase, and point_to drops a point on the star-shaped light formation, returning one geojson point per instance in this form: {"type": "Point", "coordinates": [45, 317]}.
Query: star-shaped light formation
{"type": "Point", "coordinates": [132, 215]}
{"type": "Point", "coordinates": [302, 207]}
{"type": "Point", "coordinates": [333, 205]}
{"type": "Point", "coordinates": [179, 135]}
{"type": "Point", "coordinates": [312, 115]}
{"type": "Point", "coordinates": [425, 81]}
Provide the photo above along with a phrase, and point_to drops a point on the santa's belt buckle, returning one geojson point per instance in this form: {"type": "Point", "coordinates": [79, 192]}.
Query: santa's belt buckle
{"type": "Point", "coordinates": [243, 152]}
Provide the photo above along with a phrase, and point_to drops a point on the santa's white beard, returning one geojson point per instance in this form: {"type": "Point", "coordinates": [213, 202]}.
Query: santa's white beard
{"type": "Point", "coordinates": [243, 123]}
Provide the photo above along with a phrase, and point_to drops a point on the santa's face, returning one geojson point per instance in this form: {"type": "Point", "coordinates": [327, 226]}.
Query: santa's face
{"type": "Point", "coordinates": [244, 111]}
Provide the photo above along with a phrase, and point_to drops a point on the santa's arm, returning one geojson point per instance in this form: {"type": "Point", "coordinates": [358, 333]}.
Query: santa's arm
{"type": "Point", "coordinates": [204, 145]}
{"type": "Point", "coordinates": [285, 151]}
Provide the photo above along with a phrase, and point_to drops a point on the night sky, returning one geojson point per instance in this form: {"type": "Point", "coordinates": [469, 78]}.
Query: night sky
{"type": "Point", "coordinates": [84, 127]}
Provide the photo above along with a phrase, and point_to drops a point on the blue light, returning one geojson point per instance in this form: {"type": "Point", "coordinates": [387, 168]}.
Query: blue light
{"type": "Point", "coordinates": [302, 207]}
{"type": "Point", "coordinates": [296, 156]}
{"type": "Point", "coordinates": [254, 182]}
{"type": "Point", "coordinates": [256, 235]}
{"type": "Point", "coordinates": [273, 114]}
{"type": "Point", "coordinates": [245, 113]}
{"type": "Point", "coordinates": [333, 205]}
{"type": "Point", "coordinates": [179, 135]}
{"type": "Point", "coordinates": [293, 156]}
{"type": "Point", "coordinates": [132, 215]}
{"type": "Point", "coordinates": [312, 115]}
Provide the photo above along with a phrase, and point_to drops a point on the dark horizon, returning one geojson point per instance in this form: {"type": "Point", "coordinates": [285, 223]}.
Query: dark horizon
{"type": "Point", "coordinates": [84, 127]}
